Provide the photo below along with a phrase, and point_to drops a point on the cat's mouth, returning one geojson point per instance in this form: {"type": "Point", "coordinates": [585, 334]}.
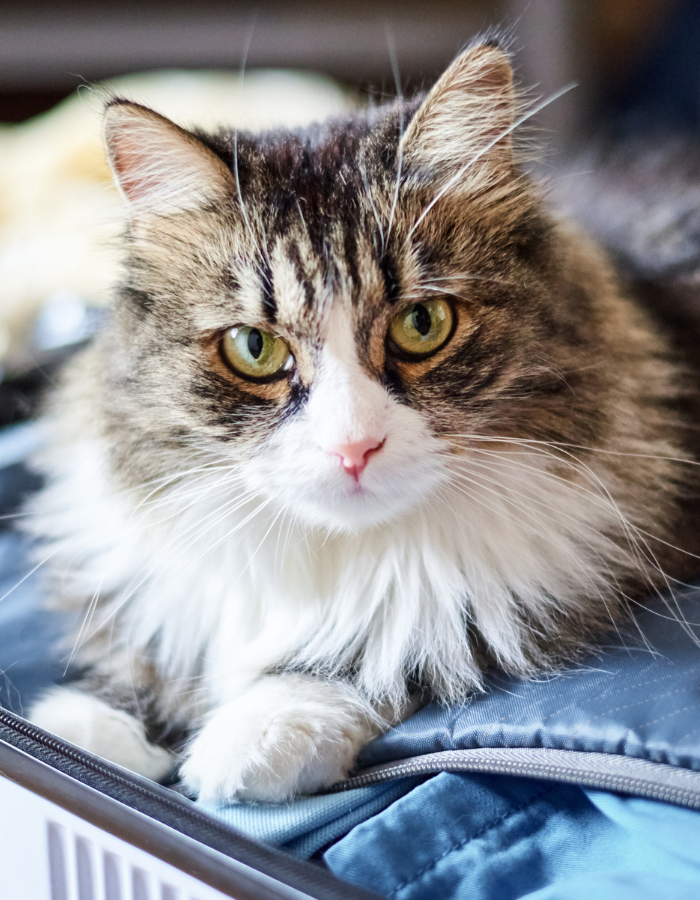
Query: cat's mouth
{"type": "Point", "coordinates": [379, 494]}
{"type": "Point", "coordinates": [373, 477]}
{"type": "Point", "coordinates": [356, 488]}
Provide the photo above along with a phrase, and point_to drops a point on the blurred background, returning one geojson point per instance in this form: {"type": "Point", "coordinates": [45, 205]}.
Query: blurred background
{"type": "Point", "coordinates": [613, 49]}
{"type": "Point", "coordinates": [635, 64]}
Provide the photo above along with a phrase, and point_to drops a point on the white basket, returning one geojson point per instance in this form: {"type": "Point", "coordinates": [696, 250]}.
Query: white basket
{"type": "Point", "coordinates": [47, 853]}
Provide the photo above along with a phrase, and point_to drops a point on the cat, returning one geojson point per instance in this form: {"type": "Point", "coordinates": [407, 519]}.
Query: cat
{"type": "Point", "coordinates": [368, 417]}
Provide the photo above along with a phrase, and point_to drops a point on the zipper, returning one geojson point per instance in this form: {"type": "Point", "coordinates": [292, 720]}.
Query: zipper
{"type": "Point", "coordinates": [294, 877]}
{"type": "Point", "coordinates": [617, 773]}
{"type": "Point", "coordinates": [112, 774]}
{"type": "Point", "coordinates": [598, 771]}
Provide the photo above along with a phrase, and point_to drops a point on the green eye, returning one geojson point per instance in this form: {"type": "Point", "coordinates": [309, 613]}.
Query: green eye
{"type": "Point", "coordinates": [421, 329]}
{"type": "Point", "coordinates": [255, 354]}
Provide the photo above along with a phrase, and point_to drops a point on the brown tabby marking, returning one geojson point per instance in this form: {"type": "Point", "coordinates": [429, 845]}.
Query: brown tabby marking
{"type": "Point", "coordinates": [556, 380]}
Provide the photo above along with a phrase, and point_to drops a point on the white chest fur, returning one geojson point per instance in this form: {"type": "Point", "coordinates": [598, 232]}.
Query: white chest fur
{"type": "Point", "coordinates": [225, 585]}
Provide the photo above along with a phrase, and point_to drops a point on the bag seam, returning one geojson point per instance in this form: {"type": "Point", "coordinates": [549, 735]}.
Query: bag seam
{"type": "Point", "coordinates": [472, 837]}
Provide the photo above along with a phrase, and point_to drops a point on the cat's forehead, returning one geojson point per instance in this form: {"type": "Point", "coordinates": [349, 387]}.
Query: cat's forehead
{"type": "Point", "coordinates": [314, 203]}
{"type": "Point", "coordinates": [323, 164]}
{"type": "Point", "coordinates": [293, 285]}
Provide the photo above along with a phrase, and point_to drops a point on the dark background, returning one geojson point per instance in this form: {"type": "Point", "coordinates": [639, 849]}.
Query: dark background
{"type": "Point", "coordinates": [621, 53]}
{"type": "Point", "coordinates": [636, 63]}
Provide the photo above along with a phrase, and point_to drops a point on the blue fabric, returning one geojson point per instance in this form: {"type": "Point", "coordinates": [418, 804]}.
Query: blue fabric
{"type": "Point", "coordinates": [462, 836]}
{"type": "Point", "coordinates": [640, 697]}
{"type": "Point", "coordinates": [310, 823]}
{"type": "Point", "coordinates": [499, 838]}
{"type": "Point", "coordinates": [27, 633]}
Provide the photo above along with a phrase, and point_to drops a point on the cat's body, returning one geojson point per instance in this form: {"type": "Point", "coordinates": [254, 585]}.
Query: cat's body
{"type": "Point", "coordinates": [270, 565]}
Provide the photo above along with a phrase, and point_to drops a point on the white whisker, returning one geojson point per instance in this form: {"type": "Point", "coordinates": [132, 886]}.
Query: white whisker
{"type": "Point", "coordinates": [399, 168]}
{"type": "Point", "coordinates": [459, 174]}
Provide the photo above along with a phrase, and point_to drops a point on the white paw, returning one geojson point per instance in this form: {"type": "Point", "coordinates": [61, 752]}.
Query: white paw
{"type": "Point", "coordinates": [289, 734]}
{"type": "Point", "coordinates": [93, 725]}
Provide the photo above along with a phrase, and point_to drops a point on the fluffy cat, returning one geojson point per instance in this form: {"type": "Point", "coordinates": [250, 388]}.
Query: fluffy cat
{"type": "Point", "coordinates": [367, 418]}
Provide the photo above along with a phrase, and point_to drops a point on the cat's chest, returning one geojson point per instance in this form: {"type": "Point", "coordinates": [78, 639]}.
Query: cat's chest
{"type": "Point", "coordinates": [220, 583]}
{"type": "Point", "coordinates": [211, 567]}
{"type": "Point", "coordinates": [253, 590]}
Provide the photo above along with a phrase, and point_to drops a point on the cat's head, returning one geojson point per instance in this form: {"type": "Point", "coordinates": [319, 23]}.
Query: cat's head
{"type": "Point", "coordinates": [337, 309]}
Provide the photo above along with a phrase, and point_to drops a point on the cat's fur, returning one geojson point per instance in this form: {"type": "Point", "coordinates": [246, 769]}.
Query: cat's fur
{"type": "Point", "coordinates": [240, 593]}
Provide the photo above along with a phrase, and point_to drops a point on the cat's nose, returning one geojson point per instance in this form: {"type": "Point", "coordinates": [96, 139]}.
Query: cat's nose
{"type": "Point", "coordinates": [355, 456]}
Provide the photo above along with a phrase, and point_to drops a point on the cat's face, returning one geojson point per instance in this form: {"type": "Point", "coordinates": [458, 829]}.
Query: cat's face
{"type": "Point", "coordinates": [353, 452]}
{"type": "Point", "coordinates": [337, 310]}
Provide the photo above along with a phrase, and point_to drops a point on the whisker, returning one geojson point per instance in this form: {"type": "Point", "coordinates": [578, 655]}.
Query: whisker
{"type": "Point", "coordinates": [635, 536]}
{"type": "Point", "coordinates": [171, 547]}
{"type": "Point", "coordinates": [592, 576]}
{"type": "Point", "coordinates": [244, 211]}
{"type": "Point", "coordinates": [368, 192]}
{"type": "Point", "coordinates": [399, 94]}
{"type": "Point", "coordinates": [29, 574]}
{"type": "Point", "coordinates": [504, 439]}
{"type": "Point", "coordinates": [590, 493]}
{"type": "Point", "coordinates": [84, 625]}
{"type": "Point", "coordinates": [450, 183]}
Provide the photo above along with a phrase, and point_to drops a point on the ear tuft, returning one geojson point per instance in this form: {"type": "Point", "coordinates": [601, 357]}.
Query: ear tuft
{"type": "Point", "coordinates": [159, 166]}
{"type": "Point", "coordinates": [463, 125]}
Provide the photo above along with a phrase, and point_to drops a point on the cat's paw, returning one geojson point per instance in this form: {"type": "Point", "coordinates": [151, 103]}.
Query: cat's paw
{"type": "Point", "coordinates": [287, 735]}
{"type": "Point", "coordinates": [90, 723]}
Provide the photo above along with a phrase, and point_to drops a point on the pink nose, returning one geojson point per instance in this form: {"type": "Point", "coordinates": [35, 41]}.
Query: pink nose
{"type": "Point", "coordinates": [356, 456]}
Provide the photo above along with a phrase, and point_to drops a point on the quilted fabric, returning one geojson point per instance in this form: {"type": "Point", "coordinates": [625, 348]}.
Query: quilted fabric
{"type": "Point", "coordinates": [487, 837]}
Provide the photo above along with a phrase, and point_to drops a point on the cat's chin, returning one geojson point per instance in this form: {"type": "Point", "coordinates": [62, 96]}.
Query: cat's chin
{"type": "Point", "coordinates": [359, 510]}
{"type": "Point", "coordinates": [348, 520]}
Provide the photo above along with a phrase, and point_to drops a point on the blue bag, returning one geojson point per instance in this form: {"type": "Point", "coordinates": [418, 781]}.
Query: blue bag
{"type": "Point", "coordinates": [582, 784]}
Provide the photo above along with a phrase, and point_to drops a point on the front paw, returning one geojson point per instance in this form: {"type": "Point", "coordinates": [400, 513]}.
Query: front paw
{"type": "Point", "coordinates": [90, 723]}
{"type": "Point", "coordinates": [287, 735]}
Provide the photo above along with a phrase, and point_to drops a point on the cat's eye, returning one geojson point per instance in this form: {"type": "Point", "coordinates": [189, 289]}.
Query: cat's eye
{"type": "Point", "coordinates": [256, 354]}
{"type": "Point", "coordinates": [421, 329]}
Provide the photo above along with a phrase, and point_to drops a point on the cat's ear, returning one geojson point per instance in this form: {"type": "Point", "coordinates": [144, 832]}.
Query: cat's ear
{"type": "Point", "coordinates": [464, 125]}
{"type": "Point", "coordinates": [159, 166]}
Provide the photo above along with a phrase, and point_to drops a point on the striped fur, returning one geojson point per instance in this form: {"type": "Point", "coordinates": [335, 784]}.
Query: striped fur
{"type": "Point", "coordinates": [243, 600]}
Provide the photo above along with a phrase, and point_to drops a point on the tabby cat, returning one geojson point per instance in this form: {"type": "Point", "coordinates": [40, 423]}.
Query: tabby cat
{"type": "Point", "coordinates": [368, 417]}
